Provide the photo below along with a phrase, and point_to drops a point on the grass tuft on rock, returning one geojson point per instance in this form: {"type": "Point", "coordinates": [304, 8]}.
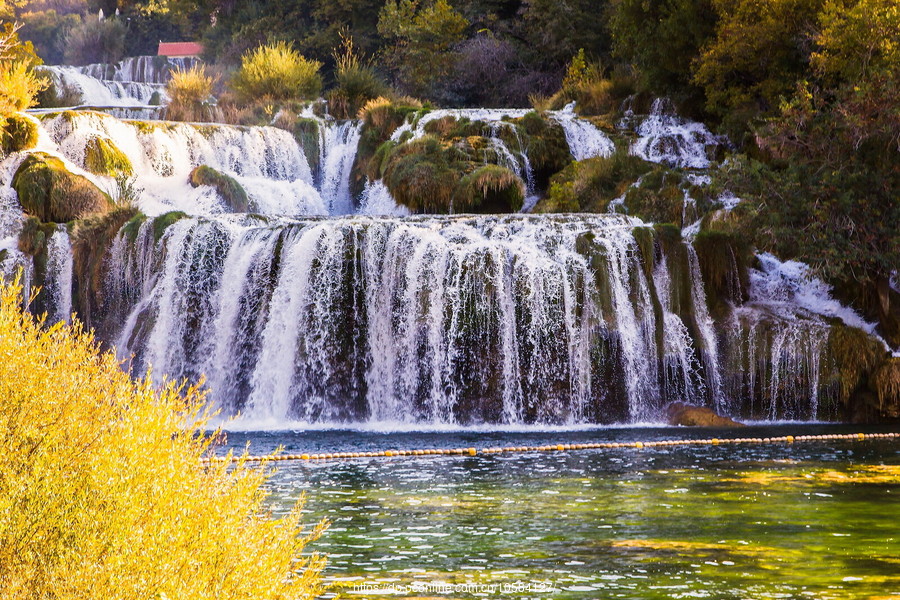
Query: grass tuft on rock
{"type": "Point", "coordinates": [17, 133]}
{"type": "Point", "coordinates": [103, 157]}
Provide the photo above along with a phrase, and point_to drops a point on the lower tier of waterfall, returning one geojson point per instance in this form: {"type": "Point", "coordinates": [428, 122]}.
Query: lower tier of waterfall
{"type": "Point", "coordinates": [446, 320]}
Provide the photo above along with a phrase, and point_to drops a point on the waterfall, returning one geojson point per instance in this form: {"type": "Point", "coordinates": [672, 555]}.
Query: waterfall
{"type": "Point", "coordinates": [59, 275]}
{"type": "Point", "coordinates": [450, 320]}
{"type": "Point", "coordinates": [339, 143]}
{"type": "Point", "coordinates": [664, 137]}
{"type": "Point", "coordinates": [299, 311]}
{"type": "Point", "coordinates": [267, 162]}
{"type": "Point", "coordinates": [501, 319]}
{"type": "Point", "coordinates": [105, 92]}
{"type": "Point", "coordinates": [584, 139]}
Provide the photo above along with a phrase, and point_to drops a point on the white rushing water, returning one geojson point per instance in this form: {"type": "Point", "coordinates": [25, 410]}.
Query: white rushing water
{"type": "Point", "coordinates": [440, 320]}
{"type": "Point", "coordinates": [664, 137]}
{"type": "Point", "coordinates": [106, 92]}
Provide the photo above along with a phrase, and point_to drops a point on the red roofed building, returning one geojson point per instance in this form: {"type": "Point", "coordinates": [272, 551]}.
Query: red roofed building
{"type": "Point", "coordinates": [180, 49]}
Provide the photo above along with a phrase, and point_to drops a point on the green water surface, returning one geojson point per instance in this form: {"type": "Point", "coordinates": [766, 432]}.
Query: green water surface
{"type": "Point", "coordinates": [812, 520]}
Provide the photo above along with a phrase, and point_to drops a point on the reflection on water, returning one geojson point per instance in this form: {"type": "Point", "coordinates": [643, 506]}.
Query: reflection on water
{"type": "Point", "coordinates": [817, 520]}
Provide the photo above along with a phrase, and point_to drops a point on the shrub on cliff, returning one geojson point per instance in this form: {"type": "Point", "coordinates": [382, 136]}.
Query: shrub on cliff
{"type": "Point", "coordinates": [102, 490]}
{"type": "Point", "coordinates": [356, 83]}
{"type": "Point", "coordinates": [279, 72]}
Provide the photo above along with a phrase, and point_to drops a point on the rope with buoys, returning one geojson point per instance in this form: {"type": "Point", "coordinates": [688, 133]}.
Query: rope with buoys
{"type": "Point", "coordinates": [787, 439]}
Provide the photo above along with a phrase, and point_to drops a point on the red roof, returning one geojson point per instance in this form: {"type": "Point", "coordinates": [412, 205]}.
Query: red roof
{"type": "Point", "coordinates": [179, 49]}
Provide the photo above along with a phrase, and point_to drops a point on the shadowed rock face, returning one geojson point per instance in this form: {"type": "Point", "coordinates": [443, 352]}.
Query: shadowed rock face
{"type": "Point", "coordinates": [689, 415]}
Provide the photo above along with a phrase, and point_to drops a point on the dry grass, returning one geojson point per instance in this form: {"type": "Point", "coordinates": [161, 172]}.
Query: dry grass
{"type": "Point", "coordinates": [102, 491]}
{"type": "Point", "coordinates": [189, 91]}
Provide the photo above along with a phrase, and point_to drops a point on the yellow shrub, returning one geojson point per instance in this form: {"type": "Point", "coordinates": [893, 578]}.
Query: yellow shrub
{"type": "Point", "coordinates": [102, 491]}
{"type": "Point", "coordinates": [18, 86]}
{"type": "Point", "coordinates": [189, 91]}
{"type": "Point", "coordinates": [278, 71]}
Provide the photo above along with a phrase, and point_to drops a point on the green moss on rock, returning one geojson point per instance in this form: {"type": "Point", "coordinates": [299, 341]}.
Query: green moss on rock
{"type": "Point", "coordinates": [589, 185]}
{"type": "Point", "coordinates": [52, 193]}
{"type": "Point", "coordinates": [231, 192]}
{"type": "Point", "coordinates": [163, 221]}
{"type": "Point", "coordinates": [490, 189]}
{"type": "Point", "coordinates": [724, 265]}
{"type": "Point", "coordinates": [306, 132]}
{"type": "Point", "coordinates": [429, 175]}
{"type": "Point", "coordinates": [34, 235]}
{"type": "Point", "coordinates": [103, 157]}
{"type": "Point", "coordinates": [17, 133]}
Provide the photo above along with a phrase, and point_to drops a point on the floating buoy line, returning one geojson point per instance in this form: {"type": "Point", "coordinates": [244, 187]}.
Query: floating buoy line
{"type": "Point", "coordinates": [786, 439]}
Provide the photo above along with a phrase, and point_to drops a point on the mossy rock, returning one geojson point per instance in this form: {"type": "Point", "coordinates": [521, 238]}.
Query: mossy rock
{"type": "Point", "coordinates": [885, 383]}
{"type": "Point", "coordinates": [231, 192]}
{"type": "Point", "coordinates": [422, 175]}
{"type": "Point", "coordinates": [52, 193]}
{"type": "Point", "coordinates": [17, 133]}
{"type": "Point", "coordinates": [163, 221]}
{"type": "Point", "coordinates": [689, 415]}
{"type": "Point", "coordinates": [545, 142]}
{"type": "Point", "coordinates": [589, 185]}
{"type": "Point", "coordinates": [855, 354]}
{"type": "Point", "coordinates": [34, 235]}
{"type": "Point", "coordinates": [103, 157]}
{"type": "Point", "coordinates": [490, 189]}
{"type": "Point", "coordinates": [429, 175]}
{"type": "Point", "coordinates": [724, 265]}
{"type": "Point", "coordinates": [306, 132]}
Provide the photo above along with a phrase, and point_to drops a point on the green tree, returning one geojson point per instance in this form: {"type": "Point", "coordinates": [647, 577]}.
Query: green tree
{"type": "Point", "coordinates": [760, 50]}
{"type": "Point", "coordinates": [423, 38]}
{"type": "Point", "coordinates": [662, 38]}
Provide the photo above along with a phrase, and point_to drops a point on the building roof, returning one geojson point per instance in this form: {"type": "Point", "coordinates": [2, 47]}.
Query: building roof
{"type": "Point", "coordinates": [179, 49]}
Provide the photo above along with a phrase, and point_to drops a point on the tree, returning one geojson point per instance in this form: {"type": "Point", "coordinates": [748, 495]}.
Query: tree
{"type": "Point", "coordinates": [662, 38]}
{"type": "Point", "coordinates": [423, 39]}
{"type": "Point", "coordinates": [760, 50]}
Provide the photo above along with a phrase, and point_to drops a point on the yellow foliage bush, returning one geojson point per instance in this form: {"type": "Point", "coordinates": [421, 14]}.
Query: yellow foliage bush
{"type": "Point", "coordinates": [189, 91]}
{"type": "Point", "coordinates": [102, 490]}
{"type": "Point", "coordinates": [278, 71]}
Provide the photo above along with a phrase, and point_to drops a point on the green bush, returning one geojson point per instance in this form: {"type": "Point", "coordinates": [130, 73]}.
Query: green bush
{"type": "Point", "coordinates": [356, 83]}
{"type": "Point", "coordinates": [50, 192]}
{"type": "Point", "coordinates": [95, 41]}
{"type": "Point", "coordinates": [279, 72]}
{"type": "Point", "coordinates": [228, 189]}
{"type": "Point", "coordinates": [103, 488]}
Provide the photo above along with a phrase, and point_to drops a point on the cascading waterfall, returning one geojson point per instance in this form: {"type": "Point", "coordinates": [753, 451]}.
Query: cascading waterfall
{"type": "Point", "coordinates": [59, 274]}
{"type": "Point", "coordinates": [339, 142]}
{"type": "Point", "coordinates": [421, 320]}
{"type": "Point", "coordinates": [664, 137]}
{"type": "Point", "coordinates": [106, 92]}
{"type": "Point", "coordinates": [496, 319]}
{"type": "Point", "coordinates": [293, 316]}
